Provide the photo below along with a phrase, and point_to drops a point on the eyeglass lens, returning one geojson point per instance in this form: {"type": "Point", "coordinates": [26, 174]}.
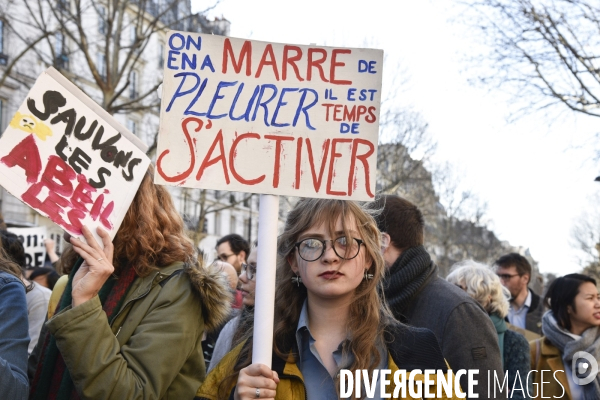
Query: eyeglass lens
{"type": "Point", "coordinates": [312, 249]}
{"type": "Point", "coordinates": [250, 270]}
{"type": "Point", "coordinates": [506, 276]}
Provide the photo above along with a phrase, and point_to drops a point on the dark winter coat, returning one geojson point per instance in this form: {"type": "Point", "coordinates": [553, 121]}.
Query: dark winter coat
{"type": "Point", "coordinates": [517, 359]}
{"type": "Point", "coordinates": [533, 319]}
{"type": "Point", "coordinates": [463, 329]}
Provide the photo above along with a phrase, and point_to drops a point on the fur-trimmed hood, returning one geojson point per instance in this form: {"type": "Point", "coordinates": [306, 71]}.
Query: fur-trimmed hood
{"type": "Point", "coordinates": [212, 286]}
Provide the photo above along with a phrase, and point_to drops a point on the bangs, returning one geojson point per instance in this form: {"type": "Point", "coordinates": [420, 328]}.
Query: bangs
{"type": "Point", "coordinates": [316, 212]}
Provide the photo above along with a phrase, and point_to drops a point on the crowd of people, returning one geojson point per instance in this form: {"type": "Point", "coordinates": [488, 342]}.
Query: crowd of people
{"type": "Point", "coordinates": [145, 317]}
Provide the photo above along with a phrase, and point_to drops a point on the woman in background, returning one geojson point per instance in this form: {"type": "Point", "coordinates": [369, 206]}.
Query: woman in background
{"type": "Point", "coordinates": [132, 315]}
{"type": "Point", "coordinates": [571, 326]}
{"type": "Point", "coordinates": [484, 286]}
{"type": "Point", "coordinates": [14, 327]}
{"type": "Point", "coordinates": [37, 295]}
{"type": "Point", "coordinates": [237, 328]}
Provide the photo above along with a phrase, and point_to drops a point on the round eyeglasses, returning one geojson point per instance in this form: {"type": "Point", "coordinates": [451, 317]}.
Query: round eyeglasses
{"type": "Point", "coordinates": [250, 270]}
{"type": "Point", "coordinates": [311, 249]}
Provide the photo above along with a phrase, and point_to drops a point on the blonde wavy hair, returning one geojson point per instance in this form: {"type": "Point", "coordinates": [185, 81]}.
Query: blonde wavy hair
{"type": "Point", "coordinates": [482, 284]}
{"type": "Point", "coordinates": [369, 315]}
{"type": "Point", "coordinates": [151, 235]}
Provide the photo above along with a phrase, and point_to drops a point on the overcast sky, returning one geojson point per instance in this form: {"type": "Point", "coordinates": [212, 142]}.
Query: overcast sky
{"type": "Point", "coordinates": [534, 174]}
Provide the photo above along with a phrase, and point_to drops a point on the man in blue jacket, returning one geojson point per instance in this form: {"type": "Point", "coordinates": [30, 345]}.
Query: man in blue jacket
{"type": "Point", "coordinates": [417, 296]}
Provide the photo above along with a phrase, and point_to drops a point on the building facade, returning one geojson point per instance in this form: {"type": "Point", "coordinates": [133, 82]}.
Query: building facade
{"type": "Point", "coordinates": [113, 51]}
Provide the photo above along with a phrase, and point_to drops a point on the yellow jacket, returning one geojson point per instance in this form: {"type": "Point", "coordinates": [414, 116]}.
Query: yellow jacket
{"type": "Point", "coordinates": [413, 348]}
{"type": "Point", "coordinates": [546, 357]}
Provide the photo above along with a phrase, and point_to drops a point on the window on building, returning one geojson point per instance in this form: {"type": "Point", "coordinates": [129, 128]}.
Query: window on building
{"type": "Point", "coordinates": [2, 36]}
{"type": "Point", "coordinates": [62, 59]}
{"type": "Point", "coordinates": [248, 228]}
{"type": "Point", "coordinates": [161, 55]}
{"type": "Point", "coordinates": [133, 83]}
{"type": "Point", "coordinates": [154, 7]}
{"type": "Point", "coordinates": [218, 224]}
{"type": "Point", "coordinates": [62, 5]}
{"type": "Point", "coordinates": [102, 20]}
{"type": "Point", "coordinates": [60, 38]}
{"type": "Point", "coordinates": [3, 56]}
{"type": "Point", "coordinates": [232, 224]}
{"type": "Point", "coordinates": [132, 34]}
{"type": "Point", "coordinates": [2, 104]}
{"type": "Point", "coordinates": [132, 126]}
{"type": "Point", "coordinates": [101, 64]}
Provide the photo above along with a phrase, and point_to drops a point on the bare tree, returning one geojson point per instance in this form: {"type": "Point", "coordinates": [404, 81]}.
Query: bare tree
{"type": "Point", "coordinates": [585, 238]}
{"type": "Point", "coordinates": [103, 46]}
{"type": "Point", "coordinates": [460, 230]}
{"type": "Point", "coordinates": [16, 25]}
{"type": "Point", "coordinates": [124, 30]}
{"type": "Point", "coordinates": [546, 52]}
{"type": "Point", "coordinates": [405, 148]}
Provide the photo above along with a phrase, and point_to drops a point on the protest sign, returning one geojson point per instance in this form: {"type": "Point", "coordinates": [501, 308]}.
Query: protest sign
{"type": "Point", "coordinates": [33, 243]}
{"type": "Point", "coordinates": [271, 118]}
{"type": "Point", "coordinates": [69, 160]}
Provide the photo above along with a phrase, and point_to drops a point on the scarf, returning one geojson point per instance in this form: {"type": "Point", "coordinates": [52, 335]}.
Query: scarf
{"type": "Point", "coordinates": [568, 344]}
{"type": "Point", "coordinates": [52, 379]}
{"type": "Point", "coordinates": [406, 277]}
{"type": "Point", "coordinates": [501, 327]}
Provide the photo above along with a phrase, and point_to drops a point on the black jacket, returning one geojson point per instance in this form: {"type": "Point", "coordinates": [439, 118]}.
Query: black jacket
{"type": "Point", "coordinates": [533, 320]}
{"type": "Point", "coordinates": [463, 329]}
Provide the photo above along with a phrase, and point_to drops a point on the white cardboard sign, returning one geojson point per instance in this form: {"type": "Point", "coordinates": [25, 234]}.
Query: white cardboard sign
{"type": "Point", "coordinates": [70, 160]}
{"type": "Point", "coordinates": [270, 118]}
{"type": "Point", "coordinates": [33, 243]}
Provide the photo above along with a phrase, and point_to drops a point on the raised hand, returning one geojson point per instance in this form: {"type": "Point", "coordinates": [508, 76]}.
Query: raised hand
{"type": "Point", "coordinates": [96, 268]}
{"type": "Point", "coordinates": [49, 243]}
{"type": "Point", "coordinates": [256, 381]}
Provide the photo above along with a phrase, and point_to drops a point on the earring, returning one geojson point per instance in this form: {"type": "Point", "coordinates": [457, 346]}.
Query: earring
{"type": "Point", "coordinates": [297, 280]}
{"type": "Point", "coordinates": [368, 276]}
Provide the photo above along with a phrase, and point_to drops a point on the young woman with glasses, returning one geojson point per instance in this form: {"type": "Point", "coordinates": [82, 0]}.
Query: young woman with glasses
{"type": "Point", "coordinates": [328, 315]}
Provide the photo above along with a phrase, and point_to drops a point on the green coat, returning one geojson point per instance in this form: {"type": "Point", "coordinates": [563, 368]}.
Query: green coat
{"type": "Point", "coordinates": [152, 348]}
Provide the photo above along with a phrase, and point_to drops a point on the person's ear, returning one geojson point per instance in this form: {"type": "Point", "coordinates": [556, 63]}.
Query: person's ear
{"type": "Point", "coordinates": [291, 259]}
{"type": "Point", "coordinates": [385, 241]}
{"type": "Point", "coordinates": [243, 255]}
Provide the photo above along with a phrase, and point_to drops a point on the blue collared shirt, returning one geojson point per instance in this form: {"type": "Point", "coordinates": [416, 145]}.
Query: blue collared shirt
{"type": "Point", "coordinates": [317, 381]}
{"type": "Point", "coordinates": [519, 317]}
